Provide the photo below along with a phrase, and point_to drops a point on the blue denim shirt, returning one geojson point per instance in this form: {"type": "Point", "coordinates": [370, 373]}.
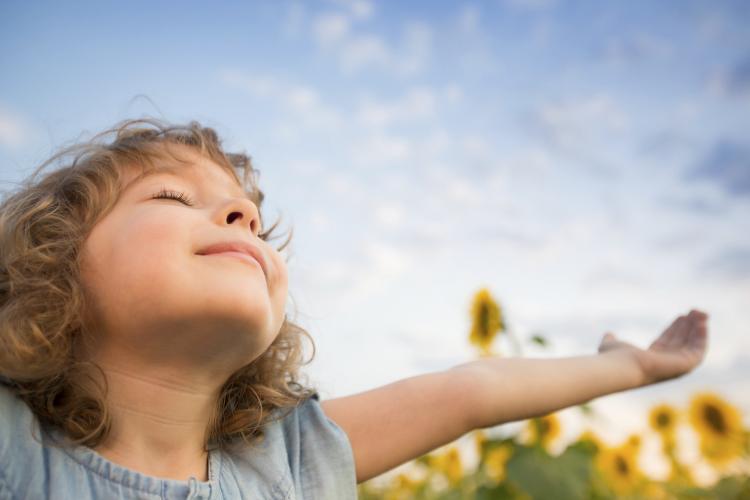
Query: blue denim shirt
{"type": "Point", "coordinates": [303, 456]}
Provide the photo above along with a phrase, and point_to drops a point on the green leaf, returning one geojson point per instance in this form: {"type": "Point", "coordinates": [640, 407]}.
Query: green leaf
{"type": "Point", "coordinates": [732, 487]}
{"type": "Point", "coordinates": [538, 339]}
{"type": "Point", "coordinates": [565, 477]}
{"type": "Point", "coordinates": [586, 408]}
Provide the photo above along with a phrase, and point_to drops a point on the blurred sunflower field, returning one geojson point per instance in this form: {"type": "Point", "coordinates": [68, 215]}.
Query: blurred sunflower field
{"type": "Point", "coordinates": [525, 465]}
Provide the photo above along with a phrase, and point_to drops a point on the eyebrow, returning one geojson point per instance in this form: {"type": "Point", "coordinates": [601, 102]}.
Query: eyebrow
{"type": "Point", "coordinates": [152, 172]}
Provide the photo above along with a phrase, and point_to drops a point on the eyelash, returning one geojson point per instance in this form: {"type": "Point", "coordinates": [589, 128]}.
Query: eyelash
{"type": "Point", "coordinates": [174, 195]}
{"type": "Point", "coordinates": [183, 198]}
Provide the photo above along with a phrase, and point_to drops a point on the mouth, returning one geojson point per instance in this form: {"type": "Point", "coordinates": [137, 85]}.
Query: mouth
{"type": "Point", "coordinates": [237, 255]}
{"type": "Point", "coordinates": [238, 250]}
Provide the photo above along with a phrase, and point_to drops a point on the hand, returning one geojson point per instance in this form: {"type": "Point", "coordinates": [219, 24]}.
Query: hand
{"type": "Point", "coordinates": [679, 349]}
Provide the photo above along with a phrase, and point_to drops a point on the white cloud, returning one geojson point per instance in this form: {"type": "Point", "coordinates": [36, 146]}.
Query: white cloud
{"type": "Point", "coordinates": [302, 98]}
{"type": "Point", "coordinates": [348, 282]}
{"type": "Point", "coordinates": [359, 9]}
{"type": "Point", "coordinates": [415, 51]}
{"type": "Point", "coordinates": [463, 193]}
{"type": "Point", "coordinates": [712, 24]}
{"type": "Point", "coordinates": [588, 130]}
{"type": "Point", "coordinates": [453, 93]}
{"type": "Point", "coordinates": [293, 20]}
{"type": "Point", "coordinates": [388, 261]}
{"type": "Point", "coordinates": [382, 149]}
{"type": "Point", "coordinates": [437, 144]}
{"type": "Point", "coordinates": [357, 51]}
{"type": "Point", "coordinates": [302, 101]}
{"type": "Point", "coordinates": [363, 51]}
{"type": "Point", "coordinates": [468, 19]}
{"type": "Point", "coordinates": [258, 86]}
{"type": "Point", "coordinates": [320, 220]}
{"type": "Point", "coordinates": [576, 116]}
{"type": "Point", "coordinates": [389, 214]}
{"type": "Point", "coordinates": [339, 185]}
{"type": "Point", "coordinates": [730, 81]}
{"type": "Point", "coordinates": [531, 4]}
{"type": "Point", "coordinates": [330, 28]}
{"type": "Point", "coordinates": [635, 48]}
{"type": "Point", "coordinates": [419, 102]}
{"type": "Point", "coordinates": [475, 146]}
{"type": "Point", "coordinates": [13, 129]}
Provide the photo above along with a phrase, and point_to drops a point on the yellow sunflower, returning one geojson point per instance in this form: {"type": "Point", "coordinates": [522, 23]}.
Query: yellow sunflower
{"type": "Point", "coordinates": [680, 474]}
{"type": "Point", "coordinates": [486, 320]}
{"type": "Point", "coordinates": [494, 464]}
{"type": "Point", "coordinates": [480, 437]}
{"type": "Point", "coordinates": [449, 464]}
{"type": "Point", "coordinates": [620, 467]}
{"type": "Point", "coordinates": [656, 491]}
{"type": "Point", "coordinates": [721, 452]}
{"type": "Point", "coordinates": [713, 417]}
{"type": "Point", "coordinates": [719, 427]}
{"type": "Point", "coordinates": [402, 488]}
{"type": "Point", "coordinates": [633, 443]}
{"type": "Point", "coordinates": [544, 429]}
{"type": "Point", "coordinates": [663, 418]}
{"type": "Point", "coordinates": [589, 437]}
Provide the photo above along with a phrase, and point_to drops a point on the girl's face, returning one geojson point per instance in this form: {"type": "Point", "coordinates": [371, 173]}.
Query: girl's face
{"type": "Point", "coordinates": [157, 302]}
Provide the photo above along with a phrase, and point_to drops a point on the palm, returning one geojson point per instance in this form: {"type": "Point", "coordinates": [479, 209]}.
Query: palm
{"type": "Point", "coordinates": [679, 349]}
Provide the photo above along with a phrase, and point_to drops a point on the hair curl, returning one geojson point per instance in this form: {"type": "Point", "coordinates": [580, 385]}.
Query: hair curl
{"type": "Point", "coordinates": [43, 305]}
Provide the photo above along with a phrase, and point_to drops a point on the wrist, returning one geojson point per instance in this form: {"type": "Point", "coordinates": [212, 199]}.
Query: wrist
{"type": "Point", "coordinates": [630, 364]}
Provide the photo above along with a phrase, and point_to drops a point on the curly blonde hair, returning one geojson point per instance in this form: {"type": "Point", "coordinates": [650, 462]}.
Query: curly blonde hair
{"type": "Point", "coordinates": [44, 309]}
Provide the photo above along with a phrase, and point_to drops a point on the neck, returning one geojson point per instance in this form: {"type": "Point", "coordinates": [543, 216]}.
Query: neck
{"type": "Point", "coordinates": [159, 423]}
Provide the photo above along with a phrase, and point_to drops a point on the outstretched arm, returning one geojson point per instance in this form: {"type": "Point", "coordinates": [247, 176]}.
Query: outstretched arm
{"type": "Point", "coordinates": [393, 424]}
{"type": "Point", "coordinates": [510, 389]}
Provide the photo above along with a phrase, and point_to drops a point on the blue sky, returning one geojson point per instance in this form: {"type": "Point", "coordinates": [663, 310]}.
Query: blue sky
{"type": "Point", "coordinates": [588, 162]}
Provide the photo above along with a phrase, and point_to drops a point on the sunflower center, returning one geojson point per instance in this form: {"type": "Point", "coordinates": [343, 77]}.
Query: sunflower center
{"type": "Point", "coordinates": [484, 321]}
{"type": "Point", "coordinates": [663, 420]}
{"type": "Point", "coordinates": [715, 419]}
{"type": "Point", "coordinates": [543, 427]}
{"type": "Point", "coordinates": [622, 465]}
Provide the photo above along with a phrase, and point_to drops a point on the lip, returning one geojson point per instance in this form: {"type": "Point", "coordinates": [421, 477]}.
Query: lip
{"type": "Point", "coordinates": [237, 246]}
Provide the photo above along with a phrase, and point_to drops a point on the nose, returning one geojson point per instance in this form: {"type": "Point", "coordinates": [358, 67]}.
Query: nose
{"type": "Point", "coordinates": [244, 211]}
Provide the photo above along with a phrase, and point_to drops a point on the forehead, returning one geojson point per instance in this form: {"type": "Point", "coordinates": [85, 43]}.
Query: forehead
{"type": "Point", "coordinates": [187, 164]}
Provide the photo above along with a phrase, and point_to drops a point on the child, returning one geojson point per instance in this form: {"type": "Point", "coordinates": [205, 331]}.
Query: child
{"type": "Point", "coordinates": [145, 351]}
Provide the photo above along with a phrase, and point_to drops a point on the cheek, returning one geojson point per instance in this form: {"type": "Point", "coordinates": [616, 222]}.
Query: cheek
{"type": "Point", "coordinates": [280, 286]}
{"type": "Point", "coordinates": [151, 254]}
{"type": "Point", "coordinates": [137, 254]}
{"type": "Point", "coordinates": [280, 266]}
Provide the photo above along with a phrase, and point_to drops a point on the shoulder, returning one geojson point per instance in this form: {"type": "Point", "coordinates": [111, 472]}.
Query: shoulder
{"type": "Point", "coordinates": [320, 453]}
{"type": "Point", "coordinates": [303, 455]}
{"type": "Point", "coordinates": [16, 418]}
{"type": "Point", "coordinates": [20, 441]}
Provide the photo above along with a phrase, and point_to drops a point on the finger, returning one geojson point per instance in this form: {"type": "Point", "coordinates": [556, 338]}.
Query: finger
{"type": "Point", "coordinates": [701, 342]}
{"type": "Point", "coordinates": [698, 314]}
{"type": "Point", "coordinates": [683, 338]}
{"type": "Point", "coordinates": [699, 337]}
{"type": "Point", "coordinates": [608, 337]}
{"type": "Point", "coordinates": [694, 321]}
{"type": "Point", "coordinates": [671, 335]}
{"type": "Point", "coordinates": [661, 340]}
{"type": "Point", "coordinates": [698, 319]}
{"type": "Point", "coordinates": [665, 339]}
{"type": "Point", "coordinates": [680, 334]}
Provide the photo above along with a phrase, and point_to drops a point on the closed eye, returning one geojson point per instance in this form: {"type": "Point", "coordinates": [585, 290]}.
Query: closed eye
{"type": "Point", "coordinates": [174, 195]}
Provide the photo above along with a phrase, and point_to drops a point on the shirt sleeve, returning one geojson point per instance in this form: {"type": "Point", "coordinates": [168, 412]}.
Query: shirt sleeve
{"type": "Point", "coordinates": [320, 454]}
{"type": "Point", "coordinates": [20, 445]}
{"type": "Point", "coordinates": [11, 416]}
